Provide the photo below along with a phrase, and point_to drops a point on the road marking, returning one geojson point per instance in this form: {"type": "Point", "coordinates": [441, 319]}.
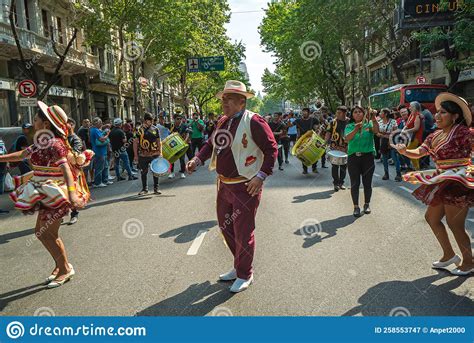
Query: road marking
{"type": "Point", "coordinates": [377, 175]}
{"type": "Point", "coordinates": [193, 249]}
{"type": "Point", "coordinates": [155, 234]}
{"type": "Point", "coordinates": [406, 189]}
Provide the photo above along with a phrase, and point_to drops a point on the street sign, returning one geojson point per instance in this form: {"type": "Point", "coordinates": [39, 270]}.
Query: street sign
{"type": "Point", "coordinates": [421, 80]}
{"type": "Point", "coordinates": [28, 102]}
{"type": "Point", "coordinates": [27, 88]}
{"type": "Point", "coordinates": [205, 64]}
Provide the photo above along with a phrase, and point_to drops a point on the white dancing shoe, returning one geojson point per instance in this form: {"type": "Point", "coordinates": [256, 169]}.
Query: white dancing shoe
{"type": "Point", "coordinates": [441, 265]}
{"type": "Point", "coordinates": [459, 272]}
{"type": "Point", "coordinates": [229, 276]}
{"type": "Point", "coordinates": [53, 276]}
{"type": "Point", "coordinates": [55, 283]}
{"type": "Point", "coordinates": [240, 285]}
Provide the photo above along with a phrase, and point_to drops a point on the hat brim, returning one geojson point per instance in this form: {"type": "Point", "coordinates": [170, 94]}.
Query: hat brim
{"type": "Point", "coordinates": [446, 96]}
{"type": "Point", "coordinates": [247, 95]}
{"type": "Point", "coordinates": [44, 109]}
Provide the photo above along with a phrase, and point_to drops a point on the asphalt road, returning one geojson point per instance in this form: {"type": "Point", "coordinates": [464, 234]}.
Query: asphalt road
{"type": "Point", "coordinates": [161, 255]}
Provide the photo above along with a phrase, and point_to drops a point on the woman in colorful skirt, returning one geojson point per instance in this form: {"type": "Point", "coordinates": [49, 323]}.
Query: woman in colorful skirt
{"type": "Point", "coordinates": [55, 184]}
{"type": "Point", "coordinates": [449, 189]}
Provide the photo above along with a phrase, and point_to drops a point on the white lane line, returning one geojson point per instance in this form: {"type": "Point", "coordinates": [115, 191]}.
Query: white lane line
{"type": "Point", "coordinates": [155, 234]}
{"type": "Point", "coordinates": [406, 189]}
{"type": "Point", "coordinates": [377, 175]}
{"type": "Point", "coordinates": [193, 249]}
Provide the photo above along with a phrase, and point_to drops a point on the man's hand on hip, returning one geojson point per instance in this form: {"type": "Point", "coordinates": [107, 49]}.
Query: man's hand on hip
{"type": "Point", "coordinates": [254, 186]}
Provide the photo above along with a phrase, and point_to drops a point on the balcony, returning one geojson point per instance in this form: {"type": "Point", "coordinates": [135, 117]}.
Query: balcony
{"type": "Point", "coordinates": [37, 46]}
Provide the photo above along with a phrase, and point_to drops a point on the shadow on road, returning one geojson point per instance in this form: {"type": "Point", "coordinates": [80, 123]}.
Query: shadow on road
{"type": "Point", "coordinates": [329, 226]}
{"type": "Point", "coordinates": [5, 238]}
{"type": "Point", "coordinates": [312, 196]}
{"type": "Point", "coordinates": [187, 233]}
{"type": "Point", "coordinates": [197, 300]}
{"type": "Point", "coordinates": [20, 293]}
{"type": "Point", "coordinates": [420, 297]}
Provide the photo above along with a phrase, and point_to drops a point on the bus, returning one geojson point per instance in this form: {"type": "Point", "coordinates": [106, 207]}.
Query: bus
{"type": "Point", "coordinates": [404, 94]}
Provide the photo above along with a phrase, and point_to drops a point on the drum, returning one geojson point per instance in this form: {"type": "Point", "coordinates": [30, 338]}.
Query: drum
{"type": "Point", "coordinates": [309, 148]}
{"type": "Point", "coordinates": [173, 147]}
{"type": "Point", "coordinates": [160, 167]}
{"type": "Point", "coordinates": [336, 157]}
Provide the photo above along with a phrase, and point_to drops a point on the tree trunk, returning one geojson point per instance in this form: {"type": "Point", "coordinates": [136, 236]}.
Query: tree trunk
{"type": "Point", "coordinates": [120, 77]}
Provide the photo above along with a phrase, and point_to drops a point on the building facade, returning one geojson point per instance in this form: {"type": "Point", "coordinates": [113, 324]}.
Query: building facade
{"type": "Point", "coordinates": [87, 82]}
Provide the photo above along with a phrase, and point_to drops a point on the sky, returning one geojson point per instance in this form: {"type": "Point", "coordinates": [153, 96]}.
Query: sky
{"type": "Point", "coordinates": [244, 27]}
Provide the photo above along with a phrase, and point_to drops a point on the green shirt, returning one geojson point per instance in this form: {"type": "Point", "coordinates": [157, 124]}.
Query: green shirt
{"type": "Point", "coordinates": [196, 132]}
{"type": "Point", "coordinates": [362, 141]}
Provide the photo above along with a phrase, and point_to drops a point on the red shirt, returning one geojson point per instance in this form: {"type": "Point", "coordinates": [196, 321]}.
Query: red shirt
{"type": "Point", "coordinates": [261, 134]}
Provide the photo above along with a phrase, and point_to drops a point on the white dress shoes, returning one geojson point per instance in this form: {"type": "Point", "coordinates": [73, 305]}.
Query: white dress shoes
{"type": "Point", "coordinates": [229, 276]}
{"type": "Point", "coordinates": [55, 283]}
{"type": "Point", "coordinates": [459, 272]}
{"type": "Point", "coordinates": [240, 285]}
{"type": "Point", "coordinates": [455, 259]}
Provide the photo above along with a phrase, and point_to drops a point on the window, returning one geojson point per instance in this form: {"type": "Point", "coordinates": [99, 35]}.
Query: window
{"type": "Point", "coordinates": [27, 15]}
{"type": "Point", "coordinates": [59, 27]}
{"type": "Point", "coordinates": [44, 17]}
{"type": "Point", "coordinates": [422, 94]}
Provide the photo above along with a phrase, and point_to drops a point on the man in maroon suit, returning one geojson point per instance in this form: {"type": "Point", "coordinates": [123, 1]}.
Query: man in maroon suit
{"type": "Point", "coordinates": [243, 151]}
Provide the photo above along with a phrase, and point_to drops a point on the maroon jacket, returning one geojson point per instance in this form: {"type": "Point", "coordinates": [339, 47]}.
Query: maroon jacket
{"type": "Point", "coordinates": [261, 134]}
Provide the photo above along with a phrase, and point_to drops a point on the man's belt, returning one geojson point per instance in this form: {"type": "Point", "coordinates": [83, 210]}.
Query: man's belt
{"type": "Point", "coordinates": [232, 180]}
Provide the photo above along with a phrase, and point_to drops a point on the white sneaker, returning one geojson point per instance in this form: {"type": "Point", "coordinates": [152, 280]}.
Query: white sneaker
{"type": "Point", "coordinates": [171, 176]}
{"type": "Point", "coordinates": [183, 176]}
{"type": "Point", "coordinates": [455, 259]}
{"type": "Point", "coordinates": [109, 182]}
{"type": "Point", "coordinates": [102, 185]}
{"type": "Point", "coordinates": [240, 285]}
{"type": "Point", "coordinates": [111, 177]}
{"type": "Point", "coordinates": [229, 276]}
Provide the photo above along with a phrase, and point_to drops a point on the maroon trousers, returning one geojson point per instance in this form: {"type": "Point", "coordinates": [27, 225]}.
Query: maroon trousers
{"type": "Point", "coordinates": [236, 211]}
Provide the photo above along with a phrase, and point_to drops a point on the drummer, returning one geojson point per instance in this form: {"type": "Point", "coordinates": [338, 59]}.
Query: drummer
{"type": "Point", "coordinates": [243, 151]}
{"type": "Point", "coordinates": [335, 139]}
{"type": "Point", "coordinates": [147, 147]}
{"type": "Point", "coordinates": [303, 125]}
{"type": "Point", "coordinates": [181, 128]}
